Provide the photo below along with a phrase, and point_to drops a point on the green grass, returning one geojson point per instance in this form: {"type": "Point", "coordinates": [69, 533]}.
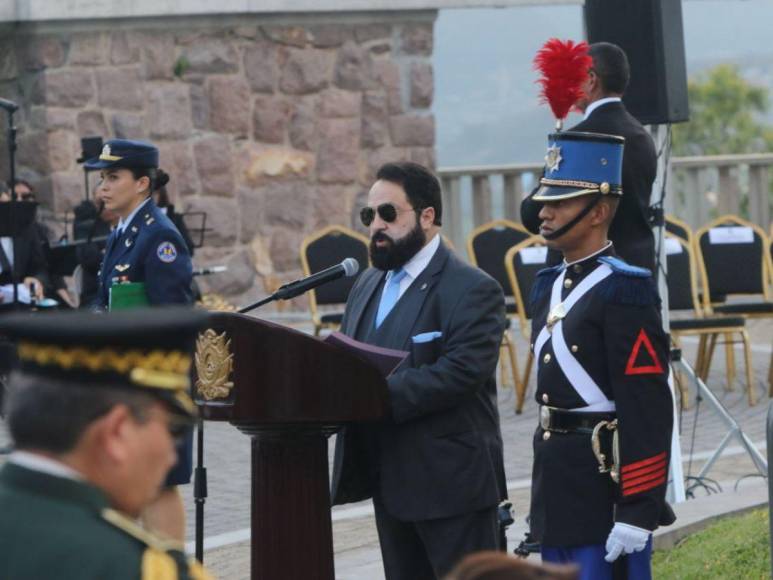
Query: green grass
{"type": "Point", "coordinates": [737, 547]}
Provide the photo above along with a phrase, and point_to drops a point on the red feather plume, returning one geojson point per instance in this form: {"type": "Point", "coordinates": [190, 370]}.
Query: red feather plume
{"type": "Point", "coordinates": [564, 67]}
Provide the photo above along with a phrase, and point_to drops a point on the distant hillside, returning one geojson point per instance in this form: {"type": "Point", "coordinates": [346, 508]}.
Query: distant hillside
{"type": "Point", "coordinates": [485, 97]}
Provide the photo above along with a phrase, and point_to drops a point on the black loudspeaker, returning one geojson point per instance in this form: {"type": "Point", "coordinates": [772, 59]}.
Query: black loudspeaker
{"type": "Point", "coordinates": [651, 34]}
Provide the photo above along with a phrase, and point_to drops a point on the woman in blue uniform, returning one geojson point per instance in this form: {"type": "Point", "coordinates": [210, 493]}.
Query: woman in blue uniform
{"type": "Point", "coordinates": [145, 247]}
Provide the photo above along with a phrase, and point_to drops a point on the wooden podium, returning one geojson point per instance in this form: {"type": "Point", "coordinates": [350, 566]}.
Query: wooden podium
{"type": "Point", "coordinates": [288, 391]}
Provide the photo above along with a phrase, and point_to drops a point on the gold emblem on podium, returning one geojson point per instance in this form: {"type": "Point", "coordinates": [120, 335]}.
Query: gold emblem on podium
{"type": "Point", "coordinates": [214, 363]}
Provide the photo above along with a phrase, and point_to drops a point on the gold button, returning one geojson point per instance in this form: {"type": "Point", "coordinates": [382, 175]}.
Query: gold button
{"type": "Point", "coordinates": [577, 268]}
{"type": "Point", "coordinates": [546, 435]}
{"type": "Point", "coordinates": [546, 358]}
{"type": "Point", "coordinates": [567, 283]}
{"type": "Point", "coordinates": [575, 348]}
{"type": "Point", "coordinates": [545, 398]}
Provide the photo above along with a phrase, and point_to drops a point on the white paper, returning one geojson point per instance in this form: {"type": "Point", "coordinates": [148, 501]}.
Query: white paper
{"type": "Point", "coordinates": [534, 255]}
{"type": "Point", "coordinates": [7, 292]}
{"type": "Point", "coordinates": [673, 247]}
{"type": "Point", "coordinates": [731, 235]}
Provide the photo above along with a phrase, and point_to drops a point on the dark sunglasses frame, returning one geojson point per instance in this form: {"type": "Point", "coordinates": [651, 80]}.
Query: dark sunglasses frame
{"type": "Point", "coordinates": [386, 211]}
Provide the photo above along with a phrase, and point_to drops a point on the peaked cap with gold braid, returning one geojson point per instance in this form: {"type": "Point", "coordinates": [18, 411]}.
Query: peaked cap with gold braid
{"type": "Point", "coordinates": [146, 349]}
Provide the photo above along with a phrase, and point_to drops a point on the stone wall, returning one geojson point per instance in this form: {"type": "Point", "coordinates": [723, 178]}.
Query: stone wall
{"type": "Point", "coordinates": [273, 127]}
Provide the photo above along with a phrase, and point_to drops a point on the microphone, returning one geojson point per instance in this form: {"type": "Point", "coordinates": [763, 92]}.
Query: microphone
{"type": "Point", "coordinates": [9, 106]}
{"type": "Point", "coordinates": [349, 267]}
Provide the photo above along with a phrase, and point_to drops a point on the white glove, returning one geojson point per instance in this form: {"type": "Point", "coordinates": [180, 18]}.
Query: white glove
{"type": "Point", "coordinates": [625, 538]}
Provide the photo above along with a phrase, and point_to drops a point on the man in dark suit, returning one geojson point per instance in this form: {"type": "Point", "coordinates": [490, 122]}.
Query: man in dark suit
{"type": "Point", "coordinates": [605, 113]}
{"type": "Point", "coordinates": [434, 466]}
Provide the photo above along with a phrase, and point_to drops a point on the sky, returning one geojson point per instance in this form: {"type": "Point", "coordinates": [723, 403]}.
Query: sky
{"type": "Point", "coordinates": [486, 101]}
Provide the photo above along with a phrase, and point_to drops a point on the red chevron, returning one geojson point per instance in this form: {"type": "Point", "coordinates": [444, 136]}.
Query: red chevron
{"type": "Point", "coordinates": [643, 463]}
{"type": "Point", "coordinates": [644, 487]}
{"type": "Point", "coordinates": [660, 465]}
{"type": "Point", "coordinates": [643, 479]}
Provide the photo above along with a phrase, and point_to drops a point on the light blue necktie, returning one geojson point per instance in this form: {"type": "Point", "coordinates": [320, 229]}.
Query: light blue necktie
{"type": "Point", "coordinates": [389, 296]}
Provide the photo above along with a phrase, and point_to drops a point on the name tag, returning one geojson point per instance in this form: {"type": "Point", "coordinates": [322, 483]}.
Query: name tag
{"type": "Point", "coordinates": [731, 235]}
{"type": "Point", "coordinates": [534, 255]}
{"type": "Point", "coordinates": [673, 247]}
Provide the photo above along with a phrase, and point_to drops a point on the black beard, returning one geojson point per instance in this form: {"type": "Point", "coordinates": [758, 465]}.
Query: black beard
{"type": "Point", "coordinates": [396, 253]}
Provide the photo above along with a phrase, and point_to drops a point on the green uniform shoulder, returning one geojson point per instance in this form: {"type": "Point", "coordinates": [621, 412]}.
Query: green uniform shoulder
{"type": "Point", "coordinates": [161, 559]}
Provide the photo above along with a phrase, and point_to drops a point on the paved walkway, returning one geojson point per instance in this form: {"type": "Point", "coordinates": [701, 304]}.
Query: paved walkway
{"type": "Point", "coordinates": [227, 455]}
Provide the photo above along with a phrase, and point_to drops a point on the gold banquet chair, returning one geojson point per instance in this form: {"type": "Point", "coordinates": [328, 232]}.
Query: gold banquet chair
{"type": "Point", "coordinates": [682, 284]}
{"type": "Point", "coordinates": [322, 249]}
{"type": "Point", "coordinates": [522, 262]}
{"type": "Point", "coordinates": [486, 246]}
{"type": "Point", "coordinates": [734, 256]}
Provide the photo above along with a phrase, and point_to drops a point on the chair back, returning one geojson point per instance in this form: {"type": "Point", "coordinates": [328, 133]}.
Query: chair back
{"type": "Point", "coordinates": [328, 247]}
{"type": "Point", "coordinates": [488, 244]}
{"type": "Point", "coordinates": [522, 262]}
{"type": "Point", "coordinates": [682, 277]}
{"type": "Point", "coordinates": [679, 228]}
{"type": "Point", "coordinates": [733, 253]}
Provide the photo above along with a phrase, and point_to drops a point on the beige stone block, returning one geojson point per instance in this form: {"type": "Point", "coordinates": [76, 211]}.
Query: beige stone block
{"type": "Point", "coordinates": [387, 74]}
{"type": "Point", "coordinates": [215, 169]}
{"type": "Point", "coordinates": [49, 118]}
{"type": "Point", "coordinates": [375, 119]}
{"type": "Point", "coordinates": [288, 35]}
{"type": "Point", "coordinates": [305, 71]}
{"type": "Point", "coordinates": [91, 124]}
{"type": "Point", "coordinates": [270, 119]}
{"type": "Point", "coordinates": [124, 47]}
{"type": "Point", "coordinates": [284, 245]}
{"type": "Point", "coordinates": [67, 189]}
{"type": "Point", "coordinates": [338, 150]}
{"type": "Point", "coordinates": [63, 150]}
{"type": "Point", "coordinates": [68, 87]}
{"type": "Point", "coordinates": [8, 61]}
{"type": "Point", "coordinates": [89, 48]}
{"type": "Point", "coordinates": [303, 125]}
{"type": "Point", "coordinates": [413, 130]}
{"type": "Point", "coordinates": [229, 105]}
{"type": "Point", "coordinates": [222, 218]}
{"type": "Point", "coordinates": [169, 111]}
{"type": "Point", "coordinates": [259, 164]}
{"type": "Point", "coordinates": [176, 159]}
{"type": "Point", "coordinates": [260, 66]}
{"type": "Point", "coordinates": [39, 52]}
{"type": "Point", "coordinates": [329, 35]}
{"type": "Point", "coordinates": [120, 88]}
{"type": "Point", "coordinates": [422, 84]}
{"type": "Point", "coordinates": [354, 68]}
{"type": "Point", "coordinates": [416, 39]}
{"type": "Point", "coordinates": [210, 55]}
{"type": "Point", "coordinates": [336, 103]}
{"type": "Point", "coordinates": [158, 56]}
{"type": "Point", "coordinates": [129, 126]}
{"type": "Point", "coordinates": [239, 277]}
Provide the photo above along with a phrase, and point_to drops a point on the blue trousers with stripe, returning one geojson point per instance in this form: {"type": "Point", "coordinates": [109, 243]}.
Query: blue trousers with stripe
{"type": "Point", "coordinates": [592, 563]}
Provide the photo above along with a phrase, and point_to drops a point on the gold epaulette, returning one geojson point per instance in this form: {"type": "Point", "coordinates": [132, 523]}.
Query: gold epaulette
{"type": "Point", "coordinates": [157, 563]}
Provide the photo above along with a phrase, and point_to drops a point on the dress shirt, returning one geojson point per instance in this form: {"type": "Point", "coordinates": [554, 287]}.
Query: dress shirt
{"type": "Point", "coordinates": [415, 266]}
{"type": "Point", "coordinates": [596, 104]}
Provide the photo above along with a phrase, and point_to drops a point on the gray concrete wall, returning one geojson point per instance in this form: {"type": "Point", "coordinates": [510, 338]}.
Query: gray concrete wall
{"type": "Point", "coordinates": [42, 10]}
{"type": "Point", "coordinates": [273, 126]}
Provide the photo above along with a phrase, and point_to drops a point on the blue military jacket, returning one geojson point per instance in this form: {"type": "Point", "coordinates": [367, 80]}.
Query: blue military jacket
{"type": "Point", "coordinates": [149, 250]}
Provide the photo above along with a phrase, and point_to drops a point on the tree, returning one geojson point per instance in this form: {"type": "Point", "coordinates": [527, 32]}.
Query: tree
{"type": "Point", "coordinates": [726, 115]}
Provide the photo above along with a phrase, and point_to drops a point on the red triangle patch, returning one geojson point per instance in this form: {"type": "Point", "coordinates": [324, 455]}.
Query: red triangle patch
{"type": "Point", "coordinates": [652, 369]}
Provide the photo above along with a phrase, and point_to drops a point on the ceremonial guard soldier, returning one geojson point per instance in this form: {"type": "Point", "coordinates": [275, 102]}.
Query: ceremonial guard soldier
{"type": "Point", "coordinates": [93, 412]}
{"type": "Point", "coordinates": [601, 451]}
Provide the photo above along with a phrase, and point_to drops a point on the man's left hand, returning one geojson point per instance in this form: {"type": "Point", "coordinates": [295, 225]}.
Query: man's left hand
{"type": "Point", "coordinates": [625, 538]}
{"type": "Point", "coordinates": [34, 286]}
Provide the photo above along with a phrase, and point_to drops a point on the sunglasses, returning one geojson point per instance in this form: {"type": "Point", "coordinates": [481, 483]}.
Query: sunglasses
{"type": "Point", "coordinates": [386, 211]}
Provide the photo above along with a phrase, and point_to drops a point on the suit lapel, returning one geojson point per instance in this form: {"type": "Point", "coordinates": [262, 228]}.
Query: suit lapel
{"type": "Point", "coordinates": [369, 286]}
{"type": "Point", "coordinates": [412, 301]}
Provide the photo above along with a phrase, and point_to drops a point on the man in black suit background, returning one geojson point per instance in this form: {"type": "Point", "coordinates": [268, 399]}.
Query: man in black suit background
{"type": "Point", "coordinates": [605, 113]}
{"type": "Point", "coordinates": [434, 466]}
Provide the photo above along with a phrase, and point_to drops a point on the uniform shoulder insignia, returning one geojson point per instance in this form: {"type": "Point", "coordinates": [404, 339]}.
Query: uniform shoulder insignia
{"type": "Point", "coordinates": [543, 282]}
{"type": "Point", "coordinates": [629, 285]}
{"type": "Point", "coordinates": [622, 267]}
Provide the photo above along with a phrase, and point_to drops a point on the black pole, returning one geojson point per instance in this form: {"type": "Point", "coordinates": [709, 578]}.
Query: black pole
{"type": "Point", "coordinates": [12, 185]}
{"type": "Point", "coordinates": [200, 490]}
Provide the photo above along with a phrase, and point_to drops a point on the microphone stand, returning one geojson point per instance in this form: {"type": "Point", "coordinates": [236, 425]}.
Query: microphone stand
{"type": "Point", "coordinates": [12, 185]}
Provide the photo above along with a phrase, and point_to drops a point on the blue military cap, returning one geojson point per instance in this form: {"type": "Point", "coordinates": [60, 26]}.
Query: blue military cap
{"type": "Point", "coordinates": [581, 163]}
{"type": "Point", "coordinates": [125, 153]}
{"type": "Point", "coordinates": [148, 350]}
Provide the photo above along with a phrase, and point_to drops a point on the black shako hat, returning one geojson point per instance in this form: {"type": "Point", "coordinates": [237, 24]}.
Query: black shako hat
{"type": "Point", "coordinates": [125, 153]}
{"type": "Point", "coordinates": [144, 349]}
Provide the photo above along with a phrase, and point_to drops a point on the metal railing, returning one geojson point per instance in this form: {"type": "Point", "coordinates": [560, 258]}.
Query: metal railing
{"type": "Point", "coordinates": [698, 189]}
